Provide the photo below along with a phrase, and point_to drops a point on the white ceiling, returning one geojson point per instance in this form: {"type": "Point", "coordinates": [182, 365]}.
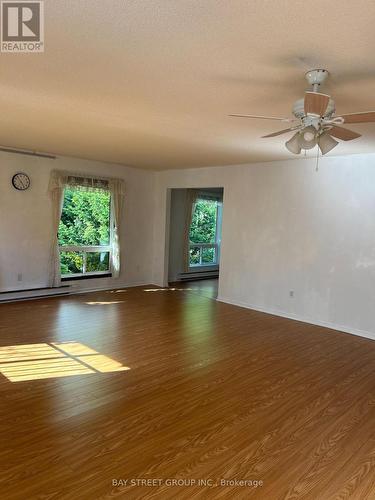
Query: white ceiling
{"type": "Point", "coordinates": [150, 83]}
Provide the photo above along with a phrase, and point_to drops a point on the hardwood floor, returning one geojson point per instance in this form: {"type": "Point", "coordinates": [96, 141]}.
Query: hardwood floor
{"type": "Point", "coordinates": [207, 287]}
{"type": "Point", "coordinates": [203, 391]}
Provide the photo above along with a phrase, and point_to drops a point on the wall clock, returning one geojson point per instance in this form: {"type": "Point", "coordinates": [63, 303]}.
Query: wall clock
{"type": "Point", "coordinates": [21, 181]}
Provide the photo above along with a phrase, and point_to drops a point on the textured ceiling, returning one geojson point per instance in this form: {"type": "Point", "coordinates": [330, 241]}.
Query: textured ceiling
{"type": "Point", "coordinates": [150, 83]}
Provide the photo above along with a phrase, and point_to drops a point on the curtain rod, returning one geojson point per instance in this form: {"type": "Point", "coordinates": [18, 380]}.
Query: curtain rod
{"type": "Point", "coordinates": [26, 152]}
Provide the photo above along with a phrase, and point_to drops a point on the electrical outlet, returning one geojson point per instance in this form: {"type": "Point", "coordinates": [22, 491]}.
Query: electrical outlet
{"type": "Point", "coordinates": [291, 293]}
{"type": "Point", "coordinates": [19, 277]}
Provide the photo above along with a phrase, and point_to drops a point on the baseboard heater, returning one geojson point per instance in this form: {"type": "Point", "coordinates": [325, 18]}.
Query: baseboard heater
{"type": "Point", "coordinates": [33, 293]}
{"type": "Point", "coordinates": [198, 275]}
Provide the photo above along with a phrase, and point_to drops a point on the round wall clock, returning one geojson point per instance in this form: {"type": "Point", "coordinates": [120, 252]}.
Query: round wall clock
{"type": "Point", "coordinates": [21, 181]}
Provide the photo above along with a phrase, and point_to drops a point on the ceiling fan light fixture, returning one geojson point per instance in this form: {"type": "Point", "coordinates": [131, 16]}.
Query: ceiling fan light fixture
{"type": "Point", "coordinates": [307, 137]}
{"type": "Point", "coordinates": [326, 143]}
{"type": "Point", "coordinates": [293, 144]}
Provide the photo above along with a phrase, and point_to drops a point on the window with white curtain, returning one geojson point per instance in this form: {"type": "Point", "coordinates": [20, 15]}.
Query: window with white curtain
{"type": "Point", "coordinates": [85, 236]}
{"type": "Point", "coordinates": [86, 226]}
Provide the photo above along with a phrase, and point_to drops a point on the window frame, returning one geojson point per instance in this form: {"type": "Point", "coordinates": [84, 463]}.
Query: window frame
{"type": "Point", "coordinates": [85, 249]}
{"type": "Point", "coordinates": [216, 245]}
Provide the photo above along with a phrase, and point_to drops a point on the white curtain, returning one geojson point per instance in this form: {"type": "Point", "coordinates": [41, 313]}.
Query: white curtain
{"type": "Point", "coordinates": [191, 199]}
{"type": "Point", "coordinates": [117, 190]}
{"type": "Point", "coordinates": [57, 197]}
{"type": "Point", "coordinates": [60, 180]}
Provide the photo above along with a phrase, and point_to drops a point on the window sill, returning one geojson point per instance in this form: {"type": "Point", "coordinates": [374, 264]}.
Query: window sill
{"type": "Point", "coordinates": [203, 266]}
{"type": "Point", "coordinates": [86, 277]}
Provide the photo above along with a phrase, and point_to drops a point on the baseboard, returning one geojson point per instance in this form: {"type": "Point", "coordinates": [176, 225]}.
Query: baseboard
{"type": "Point", "coordinates": [113, 286]}
{"type": "Point", "coordinates": [30, 294]}
{"type": "Point", "coordinates": [296, 317]}
{"type": "Point", "coordinates": [67, 290]}
{"type": "Point", "coordinates": [26, 288]}
{"type": "Point", "coordinates": [198, 275]}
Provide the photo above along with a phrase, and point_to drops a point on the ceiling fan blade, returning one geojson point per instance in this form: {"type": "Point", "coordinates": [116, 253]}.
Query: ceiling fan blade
{"type": "Point", "coordinates": [343, 133]}
{"type": "Point", "coordinates": [265, 118]}
{"type": "Point", "coordinates": [274, 134]}
{"type": "Point", "coordinates": [316, 103]}
{"type": "Point", "coordinates": [362, 117]}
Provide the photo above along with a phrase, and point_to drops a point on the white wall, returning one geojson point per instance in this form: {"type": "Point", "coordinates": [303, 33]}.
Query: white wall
{"type": "Point", "coordinates": [287, 227]}
{"type": "Point", "coordinates": [177, 230]}
{"type": "Point", "coordinates": [25, 222]}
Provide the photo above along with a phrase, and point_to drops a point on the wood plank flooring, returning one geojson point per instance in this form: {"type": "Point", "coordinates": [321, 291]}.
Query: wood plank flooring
{"type": "Point", "coordinates": [206, 287]}
{"type": "Point", "coordinates": [149, 383]}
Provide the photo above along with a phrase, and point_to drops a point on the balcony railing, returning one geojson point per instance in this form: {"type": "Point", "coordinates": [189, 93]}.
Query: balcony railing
{"type": "Point", "coordinates": [203, 254]}
{"type": "Point", "coordinates": [84, 260]}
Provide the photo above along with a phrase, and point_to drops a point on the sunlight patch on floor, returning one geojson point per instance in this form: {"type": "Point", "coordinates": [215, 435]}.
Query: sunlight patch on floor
{"type": "Point", "coordinates": [58, 359]}
{"type": "Point", "coordinates": [104, 303]}
{"type": "Point", "coordinates": [28, 352]}
{"type": "Point", "coordinates": [166, 289]}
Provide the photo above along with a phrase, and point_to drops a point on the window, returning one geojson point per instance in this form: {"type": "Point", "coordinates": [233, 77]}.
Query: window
{"type": "Point", "coordinates": [85, 233]}
{"type": "Point", "coordinates": [205, 233]}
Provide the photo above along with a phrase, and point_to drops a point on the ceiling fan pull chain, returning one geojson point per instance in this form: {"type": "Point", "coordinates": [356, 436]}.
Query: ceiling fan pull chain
{"type": "Point", "coordinates": [317, 160]}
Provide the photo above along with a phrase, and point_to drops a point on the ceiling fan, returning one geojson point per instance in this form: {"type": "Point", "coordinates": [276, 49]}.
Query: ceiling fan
{"type": "Point", "coordinates": [316, 122]}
